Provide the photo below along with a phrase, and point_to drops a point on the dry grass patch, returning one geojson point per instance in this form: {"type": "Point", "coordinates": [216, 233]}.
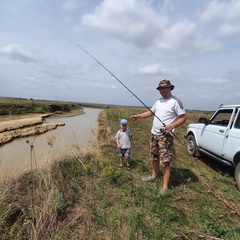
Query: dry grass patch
{"type": "Point", "coordinates": [70, 201]}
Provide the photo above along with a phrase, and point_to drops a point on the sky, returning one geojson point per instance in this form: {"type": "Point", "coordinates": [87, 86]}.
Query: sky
{"type": "Point", "coordinates": [44, 48]}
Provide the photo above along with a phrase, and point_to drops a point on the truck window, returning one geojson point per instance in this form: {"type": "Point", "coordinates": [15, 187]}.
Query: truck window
{"type": "Point", "coordinates": [237, 123]}
{"type": "Point", "coordinates": [222, 117]}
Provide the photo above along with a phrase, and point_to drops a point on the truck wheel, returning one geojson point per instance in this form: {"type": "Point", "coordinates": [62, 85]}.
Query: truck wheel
{"type": "Point", "coordinates": [191, 145]}
{"type": "Point", "coordinates": [237, 175]}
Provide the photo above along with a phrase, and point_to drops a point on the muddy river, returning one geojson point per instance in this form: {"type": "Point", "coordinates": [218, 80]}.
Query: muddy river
{"type": "Point", "coordinates": [78, 134]}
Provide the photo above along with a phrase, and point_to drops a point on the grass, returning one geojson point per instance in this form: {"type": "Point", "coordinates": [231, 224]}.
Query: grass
{"type": "Point", "coordinates": [93, 199]}
{"type": "Point", "coordinates": [17, 106]}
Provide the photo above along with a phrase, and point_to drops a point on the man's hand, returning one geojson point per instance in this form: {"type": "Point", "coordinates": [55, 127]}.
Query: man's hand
{"type": "Point", "coordinates": [134, 117]}
{"type": "Point", "coordinates": [169, 127]}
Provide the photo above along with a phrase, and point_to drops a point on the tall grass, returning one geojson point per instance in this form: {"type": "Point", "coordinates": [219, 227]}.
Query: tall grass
{"type": "Point", "coordinates": [16, 106]}
{"type": "Point", "coordinates": [69, 201]}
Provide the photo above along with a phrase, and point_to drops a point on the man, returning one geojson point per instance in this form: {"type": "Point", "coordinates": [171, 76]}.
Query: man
{"type": "Point", "coordinates": [168, 114]}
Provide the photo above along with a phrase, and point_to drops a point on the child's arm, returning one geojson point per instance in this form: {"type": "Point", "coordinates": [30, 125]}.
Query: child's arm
{"type": "Point", "coordinates": [118, 143]}
{"type": "Point", "coordinates": [117, 140]}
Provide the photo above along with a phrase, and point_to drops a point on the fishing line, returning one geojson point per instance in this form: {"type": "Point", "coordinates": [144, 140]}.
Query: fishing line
{"type": "Point", "coordinates": [123, 86]}
{"type": "Point", "coordinates": [115, 78]}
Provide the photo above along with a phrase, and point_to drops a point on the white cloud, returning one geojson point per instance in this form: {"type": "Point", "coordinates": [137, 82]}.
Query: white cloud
{"type": "Point", "coordinates": [107, 86]}
{"type": "Point", "coordinates": [17, 52]}
{"type": "Point", "coordinates": [138, 23]}
{"type": "Point", "coordinates": [212, 80]}
{"type": "Point", "coordinates": [156, 69]}
{"type": "Point", "coordinates": [230, 30]}
{"type": "Point", "coordinates": [132, 21]}
{"type": "Point", "coordinates": [168, 7]}
{"type": "Point", "coordinates": [226, 15]}
{"type": "Point", "coordinates": [70, 5]}
{"type": "Point", "coordinates": [182, 40]}
{"type": "Point", "coordinates": [208, 97]}
{"type": "Point", "coordinates": [214, 12]}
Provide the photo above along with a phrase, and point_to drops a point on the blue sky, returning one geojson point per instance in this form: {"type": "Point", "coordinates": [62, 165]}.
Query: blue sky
{"type": "Point", "coordinates": [195, 44]}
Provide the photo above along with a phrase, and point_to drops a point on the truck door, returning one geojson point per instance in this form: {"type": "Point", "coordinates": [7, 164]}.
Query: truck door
{"type": "Point", "coordinates": [215, 133]}
{"type": "Point", "coordinates": [232, 145]}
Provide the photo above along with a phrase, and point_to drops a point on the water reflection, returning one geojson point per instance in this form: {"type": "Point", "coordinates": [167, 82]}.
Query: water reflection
{"type": "Point", "coordinates": [78, 134]}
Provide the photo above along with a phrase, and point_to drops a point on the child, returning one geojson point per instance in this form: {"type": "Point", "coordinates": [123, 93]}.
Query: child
{"type": "Point", "coordinates": [123, 139]}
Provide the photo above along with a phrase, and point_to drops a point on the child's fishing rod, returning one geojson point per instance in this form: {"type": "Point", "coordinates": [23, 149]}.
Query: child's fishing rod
{"type": "Point", "coordinates": [124, 86]}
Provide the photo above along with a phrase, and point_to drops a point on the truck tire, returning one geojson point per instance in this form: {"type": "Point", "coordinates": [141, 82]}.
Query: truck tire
{"type": "Point", "coordinates": [237, 175]}
{"type": "Point", "coordinates": [191, 145]}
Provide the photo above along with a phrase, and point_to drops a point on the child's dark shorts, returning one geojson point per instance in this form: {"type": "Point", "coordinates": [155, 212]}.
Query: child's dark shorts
{"type": "Point", "coordinates": [161, 149]}
{"type": "Point", "coordinates": [124, 152]}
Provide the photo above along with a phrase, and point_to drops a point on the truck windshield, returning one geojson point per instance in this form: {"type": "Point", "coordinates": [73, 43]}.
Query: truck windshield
{"type": "Point", "coordinates": [222, 117]}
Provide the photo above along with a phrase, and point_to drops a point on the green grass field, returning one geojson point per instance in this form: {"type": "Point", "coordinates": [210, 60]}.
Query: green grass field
{"type": "Point", "coordinates": [87, 197]}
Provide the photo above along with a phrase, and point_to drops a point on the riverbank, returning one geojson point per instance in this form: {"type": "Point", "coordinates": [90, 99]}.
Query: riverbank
{"type": "Point", "coordinates": [24, 125]}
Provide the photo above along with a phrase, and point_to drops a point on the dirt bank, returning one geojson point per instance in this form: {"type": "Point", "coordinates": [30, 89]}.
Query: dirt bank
{"type": "Point", "coordinates": [18, 126]}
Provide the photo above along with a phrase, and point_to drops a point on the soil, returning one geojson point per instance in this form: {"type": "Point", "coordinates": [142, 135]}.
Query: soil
{"type": "Point", "coordinates": [17, 126]}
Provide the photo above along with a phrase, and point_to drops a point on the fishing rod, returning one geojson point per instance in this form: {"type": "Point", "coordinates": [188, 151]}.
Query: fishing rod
{"type": "Point", "coordinates": [124, 86]}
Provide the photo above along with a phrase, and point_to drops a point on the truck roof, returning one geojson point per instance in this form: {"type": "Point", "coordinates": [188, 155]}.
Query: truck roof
{"type": "Point", "coordinates": [230, 106]}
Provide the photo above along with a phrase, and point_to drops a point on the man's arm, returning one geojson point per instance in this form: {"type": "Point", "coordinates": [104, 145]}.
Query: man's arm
{"type": "Point", "coordinates": [181, 119]}
{"type": "Point", "coordinates": [142, 115]}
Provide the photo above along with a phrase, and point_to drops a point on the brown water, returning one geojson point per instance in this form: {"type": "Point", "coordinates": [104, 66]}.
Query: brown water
{"type": "Point", "coordinates": [78, 134]}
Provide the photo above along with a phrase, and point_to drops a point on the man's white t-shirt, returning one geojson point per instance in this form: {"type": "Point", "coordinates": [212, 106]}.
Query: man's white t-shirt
{"type": "Point", "coordinates": [167, 110]}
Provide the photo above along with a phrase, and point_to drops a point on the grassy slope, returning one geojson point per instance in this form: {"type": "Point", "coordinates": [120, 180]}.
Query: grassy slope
{"type": "Point", "coordinates": [87, 197]}
{"type": "Point", "coordinates": [17, 106]}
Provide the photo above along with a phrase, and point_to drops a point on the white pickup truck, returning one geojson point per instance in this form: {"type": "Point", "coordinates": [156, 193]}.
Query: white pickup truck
{"type": "Point", "coordinates": [218, 137]}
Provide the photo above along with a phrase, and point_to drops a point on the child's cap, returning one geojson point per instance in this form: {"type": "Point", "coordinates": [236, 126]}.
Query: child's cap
{"type": "Point", "coordinates": [123, 121]}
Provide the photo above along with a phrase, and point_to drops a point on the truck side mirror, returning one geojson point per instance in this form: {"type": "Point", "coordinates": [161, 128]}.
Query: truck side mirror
{"type": "Point", "coordinates": [203, 120]}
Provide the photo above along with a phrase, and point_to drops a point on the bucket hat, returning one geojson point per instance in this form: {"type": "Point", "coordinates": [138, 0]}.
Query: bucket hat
{"type": "Point", "coordinates": [164, 84]}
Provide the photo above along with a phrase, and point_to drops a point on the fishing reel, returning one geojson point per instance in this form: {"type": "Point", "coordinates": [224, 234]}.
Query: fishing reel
{"type": "Point", "coordinates": [163, 131]}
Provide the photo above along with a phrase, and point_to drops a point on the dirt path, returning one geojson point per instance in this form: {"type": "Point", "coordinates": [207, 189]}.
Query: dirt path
{"type": "Point", "coordinates": [17, 126]}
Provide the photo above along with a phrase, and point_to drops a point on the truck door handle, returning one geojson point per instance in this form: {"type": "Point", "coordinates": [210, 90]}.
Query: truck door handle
{"type": "Point", "coordinates": [221, 131]}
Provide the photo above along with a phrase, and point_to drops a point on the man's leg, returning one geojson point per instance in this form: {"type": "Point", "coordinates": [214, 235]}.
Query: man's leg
{"type": "Point", "coordinates": [154, 155]}
{"type": "Point", "coordinates": [166, 152]}
{"type": "Point", "coordinates": [155, 168]}
{"type": "Point", "coordinates": [166, 176]}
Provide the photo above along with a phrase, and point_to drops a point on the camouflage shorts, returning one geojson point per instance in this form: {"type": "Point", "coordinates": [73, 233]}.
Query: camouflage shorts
{"type": "Point", "coordinates": [161, 149]}
{"type": "Point", "coordinates": [124, 152]}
